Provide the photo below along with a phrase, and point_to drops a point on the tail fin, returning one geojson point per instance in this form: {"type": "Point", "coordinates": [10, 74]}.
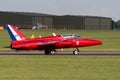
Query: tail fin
{"type": "Point", "coordinates": [14, 33]}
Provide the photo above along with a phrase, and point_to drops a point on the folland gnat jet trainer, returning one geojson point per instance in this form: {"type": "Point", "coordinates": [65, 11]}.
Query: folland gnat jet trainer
{"type": "Point", "coordinates": [48, 43]}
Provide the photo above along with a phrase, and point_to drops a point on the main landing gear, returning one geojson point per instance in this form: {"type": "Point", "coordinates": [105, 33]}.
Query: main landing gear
{"type": "Point", "coordinates": [49, 51]}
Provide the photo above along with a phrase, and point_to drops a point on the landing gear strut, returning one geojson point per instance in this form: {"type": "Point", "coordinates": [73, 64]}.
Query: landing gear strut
{"type": "Point", "coordinates": [75, 52]}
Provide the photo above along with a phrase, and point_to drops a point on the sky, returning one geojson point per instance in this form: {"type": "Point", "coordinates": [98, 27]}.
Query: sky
{"type": "Point", "coordinates": [103, 8]}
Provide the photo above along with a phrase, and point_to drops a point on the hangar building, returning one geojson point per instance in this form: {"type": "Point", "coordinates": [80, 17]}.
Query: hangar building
{"type": "Point", "coordinates": [28, 19]}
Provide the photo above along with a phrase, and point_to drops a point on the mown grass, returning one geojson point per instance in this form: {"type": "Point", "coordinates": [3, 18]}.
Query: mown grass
{"type": "Point", "coordinates": [110, 39]}
{"type": "Point", "coordinates": [59, 67]}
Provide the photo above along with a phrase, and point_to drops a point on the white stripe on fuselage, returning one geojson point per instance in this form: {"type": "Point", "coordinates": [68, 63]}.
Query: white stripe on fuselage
{"type": "Point", "coordinates": [17, 37]}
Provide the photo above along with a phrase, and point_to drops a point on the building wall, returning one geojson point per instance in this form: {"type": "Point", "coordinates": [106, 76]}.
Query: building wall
{"type": "Point", "coordinates": [57, 22]}
{"type": "Point", "coordinates": [81, 22]}
{"type": "Point", "coordinates": [68, 22]}
{"type": "Point", "coordinates": [9, 18]}
{"type": "Point", "coordinates": [44, 20]}
{"type": "Point", "coordinates": [48, 21]}
{"type": "Point", "coordinates": [106, 24]}
{"type": "Point", "coordinates": [98, 23]}
{"type": "Point", "coordinates": [92, 23]}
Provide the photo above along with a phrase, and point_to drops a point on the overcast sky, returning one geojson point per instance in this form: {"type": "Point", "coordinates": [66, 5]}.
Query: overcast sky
{"type": "Point", "coordinates": [105, 8]}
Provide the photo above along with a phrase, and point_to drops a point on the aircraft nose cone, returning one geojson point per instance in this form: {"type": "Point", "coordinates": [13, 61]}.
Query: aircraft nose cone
{"type": "Point", "coordinates": [94, 42]}
{"type": "Point", "coordinates": [98, 42]}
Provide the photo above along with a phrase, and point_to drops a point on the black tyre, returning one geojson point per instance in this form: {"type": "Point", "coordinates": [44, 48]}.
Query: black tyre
{"type": "Point", "coordinates": [75, 52]}
{"type": "Point", "coordinates": [49, 51]}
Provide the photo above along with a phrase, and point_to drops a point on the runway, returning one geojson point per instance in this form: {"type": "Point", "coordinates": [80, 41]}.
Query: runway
{"type": "Point", "coordinates": [63, 53]}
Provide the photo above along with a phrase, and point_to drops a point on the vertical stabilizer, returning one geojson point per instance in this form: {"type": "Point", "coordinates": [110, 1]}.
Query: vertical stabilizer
{"type": "Point", "coordinates": [14, 33]}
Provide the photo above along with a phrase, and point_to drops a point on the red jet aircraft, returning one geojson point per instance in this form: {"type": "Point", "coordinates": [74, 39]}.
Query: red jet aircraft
{"type": "Point", "coordinates": [48, 43]}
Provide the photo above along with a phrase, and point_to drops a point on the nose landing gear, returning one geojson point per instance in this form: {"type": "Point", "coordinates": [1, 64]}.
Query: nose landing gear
{"type": "Point", "coordinates": [76, 51]}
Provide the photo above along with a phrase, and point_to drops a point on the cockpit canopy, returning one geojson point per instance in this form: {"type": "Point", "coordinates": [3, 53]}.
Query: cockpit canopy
{"type": "Point", "coordinates": [75, 36]}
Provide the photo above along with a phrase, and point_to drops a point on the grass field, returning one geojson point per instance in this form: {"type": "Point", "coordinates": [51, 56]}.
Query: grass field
{"type": "Point", "coordinates": [59, 67]}
{"type": "Point", "coordinates": [111, 39]}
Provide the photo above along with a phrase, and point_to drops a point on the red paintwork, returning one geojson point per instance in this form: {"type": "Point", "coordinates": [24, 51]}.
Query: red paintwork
{"type": "Point", "coordinates": [53, 41]}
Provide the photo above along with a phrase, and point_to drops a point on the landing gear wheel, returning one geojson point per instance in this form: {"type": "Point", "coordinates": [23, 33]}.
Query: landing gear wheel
{"type": "Point", "coordinates": [75, 52]}
{"type": "Point", "coordinates": [52, 52]}
{"type": "Point", "coordinates": [11, 46]}
{"type": "Point", "coordinates": [49, 51]}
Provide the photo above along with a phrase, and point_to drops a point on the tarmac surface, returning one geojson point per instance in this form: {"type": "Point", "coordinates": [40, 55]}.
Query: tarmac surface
{"type": "Point", "coordinates": [63, 53]}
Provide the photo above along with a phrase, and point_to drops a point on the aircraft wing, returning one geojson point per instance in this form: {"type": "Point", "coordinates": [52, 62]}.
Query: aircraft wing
{"type": "Point", "coordinates": [48, 43]}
